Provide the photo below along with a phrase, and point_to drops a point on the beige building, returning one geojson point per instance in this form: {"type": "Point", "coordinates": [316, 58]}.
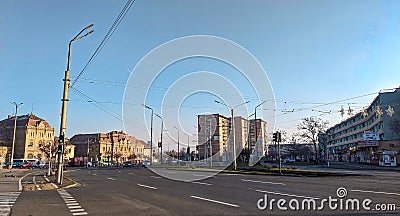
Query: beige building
{"type": "Point", "coordinates": [32, 135]}
{"type": "Point", "coordinates": [213, 134]}
{"type": "Point", "coordinates": [258, 147]}
{"type": "Point", "coordinates": [112, 146]}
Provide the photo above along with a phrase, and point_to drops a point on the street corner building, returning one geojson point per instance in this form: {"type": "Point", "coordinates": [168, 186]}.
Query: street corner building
{"type": "Point", "coordinates": [32, 134]}
{"type": "Point", "coordinates": [370, 136]}
{"type": "Point", "coordinates": [115, 146]}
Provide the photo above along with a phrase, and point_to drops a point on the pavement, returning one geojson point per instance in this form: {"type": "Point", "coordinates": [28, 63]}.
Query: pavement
{"type": "Point", "coordinates": [140, 191]}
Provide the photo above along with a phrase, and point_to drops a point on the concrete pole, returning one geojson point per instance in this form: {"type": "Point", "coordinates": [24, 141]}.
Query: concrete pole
{"type": "Point", "coordinates": [234, 143]}
{"type": "Point", "coordinates": [15, 130]}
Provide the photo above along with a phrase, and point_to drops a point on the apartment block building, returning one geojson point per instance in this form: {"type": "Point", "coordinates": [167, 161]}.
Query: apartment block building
{"type": "Point", "coordinates": [258, 146]}
{"type": "Point", "coordinates": [350, 140]}
{"type": "Point", "coordinates": [214, 134]}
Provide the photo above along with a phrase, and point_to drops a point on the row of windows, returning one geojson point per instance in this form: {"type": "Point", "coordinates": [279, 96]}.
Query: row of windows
{"type": "Point", "coordinates": [40, 134]}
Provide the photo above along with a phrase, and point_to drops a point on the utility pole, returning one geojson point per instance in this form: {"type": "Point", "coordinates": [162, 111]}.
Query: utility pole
{"type": "Point", "coordinates": [15, 130]}
{"type": "Point", "coordinates": [188, 150]}
{"type": "Point", "coordinates": [232, 129]}
{"type": "Point", "coordinates": [178, 142]}
{"type": "Point", "coordinates": [277, 138]}
{"type": "Point", "coordinates": [255, 123]}
{"type": "Point", "coordinates": [162, 128]}
{"type": "Point", "coordinates": [63, 125]}
{"type": "Point", "coordinates": [151, 133]}
{"type": "Point", "coordinates": [50, 157]}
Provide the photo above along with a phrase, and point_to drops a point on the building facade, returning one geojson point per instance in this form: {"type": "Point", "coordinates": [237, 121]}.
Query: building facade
{"type": "Point", "coordinates": [362, 137]}
{"type": "Point", "coordinates": [214, 135]}
{"type": "Point", "coordinates": [112, 146]}
{"type": "Point", "coordinates": [213, 132]}
{"type": "Point", "coordinates": [258, 146]}
{"type": "Point", "coordinates": [32, 134]}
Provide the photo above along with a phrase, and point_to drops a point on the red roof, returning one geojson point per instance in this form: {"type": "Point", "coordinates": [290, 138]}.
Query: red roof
{"type": "Point", "coordinates": [24, 120]}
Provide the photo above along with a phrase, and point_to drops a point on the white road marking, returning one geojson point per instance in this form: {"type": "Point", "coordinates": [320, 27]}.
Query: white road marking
{"type": "Point", "coordinates": [202, 183]}
{"type": "Point", "coordinates": [76, 210]}
{"type": "Point", "coordinates": [94, 174]}
{"type": "Point", "coordinates": [376, 192]}
{"type": "Point", "coordinates": [285, 194]}
{"type": "Point", "coordinates": [155, 177]}
{"type": "Point", "coordinates": [7, 200]}
{"type": "Point", "coordinates": [146, 186]}
{"type": "Point", "coordinates": [80, 213]}
{"type": "Point", "coordinates": [112, 179]}
{"type": "Point", "coordinates": [263, 182]}
{"type": "Point", "coordinates": [71, 203]}
{"type": "Point", "coordinates": [130, 173]}
{"type": "Point", "coordinates": [20, 183]}
{"type": "Point", "coordinates": [34, 182]}
{"type": "Point", "coordinates": [215, 201]}
{"type": "Point", "coordinates": [232, 174]}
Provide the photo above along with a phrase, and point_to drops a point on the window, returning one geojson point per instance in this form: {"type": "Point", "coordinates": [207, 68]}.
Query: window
{"type": "Point", "coordinates": [30, 144]}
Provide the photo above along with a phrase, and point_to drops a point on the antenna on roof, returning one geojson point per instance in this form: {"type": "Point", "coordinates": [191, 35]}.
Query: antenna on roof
{"type": "Point", "coordinates": [32, 109]}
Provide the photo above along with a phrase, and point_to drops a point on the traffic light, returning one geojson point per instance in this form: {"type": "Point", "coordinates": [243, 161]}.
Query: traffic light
{"type": "Point", "coordinates": [279, 138]}
{"type": "Point", "coordinates": [275, 137]}
{"type": "Point", "coordinates": [60, 148]}
{"type": "Point", "coordinates": [61, 138]}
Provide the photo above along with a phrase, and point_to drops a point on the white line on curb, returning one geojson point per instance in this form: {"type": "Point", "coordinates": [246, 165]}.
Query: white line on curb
{"type": "Point", "coordinates": [20, 183]}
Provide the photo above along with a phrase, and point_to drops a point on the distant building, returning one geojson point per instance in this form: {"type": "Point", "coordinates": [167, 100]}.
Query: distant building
{"type": "Point", "coordinates": [216, 129]}
{"type": "Point", "coordinates": [258, 147]}
{"type": "Point", "coordinates": [364, 136]}
{"type": "Point", "coordinates": [213, 132]}
{"type": "Point", "coordinates": [32, 134]}
{"type": "Point", "coordinates": [113, 146]}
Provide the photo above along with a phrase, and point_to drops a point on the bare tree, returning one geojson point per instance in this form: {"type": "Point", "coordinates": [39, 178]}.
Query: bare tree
{"type": "Point", "coordinates": [309, 129]}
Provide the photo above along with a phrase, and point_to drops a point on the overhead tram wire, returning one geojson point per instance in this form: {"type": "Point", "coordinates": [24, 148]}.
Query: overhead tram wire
{"type": "Point", "coordinates": [105, 109]}
{"type": "Point", "coordinates": [110, 32]}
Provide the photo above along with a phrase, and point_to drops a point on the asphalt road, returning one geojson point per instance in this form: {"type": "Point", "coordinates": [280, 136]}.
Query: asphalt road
{"type": "Point", "coordinates": [139, 191]}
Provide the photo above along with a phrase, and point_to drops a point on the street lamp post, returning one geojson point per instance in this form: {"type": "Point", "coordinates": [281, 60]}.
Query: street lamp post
{"type": "Point", "coordinates": [255, 122]}
{"type": "Point", "coordinates": [162, 128]}
{"type": "Point", "coordinates": [50, 156]}
{"type": "Point", "coordinates": [233, 129]}
{"type": "Point", "coordinates": [64, 103]}
{"type": "Point", "coordinates": [151, 133]}
{"type": "Point", "coordinates": [178, 142]}
{"type": "Point", "coordinates": [15, 130]}
{"type": "Point", "coordinates": [248, 137]}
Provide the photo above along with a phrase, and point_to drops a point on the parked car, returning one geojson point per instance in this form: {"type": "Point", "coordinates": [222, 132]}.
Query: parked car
{"type": "Point", "coordinates": [289, 160]}
{"type": "Point", "coordinates": [146, 163]}
{"type": "Point", "coordinates": [26, 164]}
{"type": "Point", "coordinates": [18, 162]}
{"type": "Point", "coordinates": [127, 164]}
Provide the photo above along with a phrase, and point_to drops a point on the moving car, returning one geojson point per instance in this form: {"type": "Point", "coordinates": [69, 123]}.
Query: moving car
{"type": "Point", "coordinates": [127, 164]}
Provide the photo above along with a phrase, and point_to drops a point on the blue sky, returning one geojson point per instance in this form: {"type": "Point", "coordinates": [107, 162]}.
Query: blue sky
{"type": "Point", "coordinates": [312, 52]}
